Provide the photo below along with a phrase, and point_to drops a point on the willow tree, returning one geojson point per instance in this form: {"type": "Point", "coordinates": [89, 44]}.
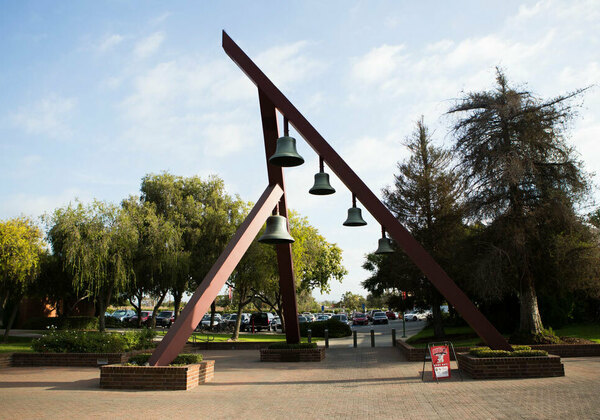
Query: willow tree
{"type": "Point", "coordinates": [96, 245]}
{"type": "Point", "coordinates": [523, 183]}
{"type": "Point", "coordinates": [21, 246]}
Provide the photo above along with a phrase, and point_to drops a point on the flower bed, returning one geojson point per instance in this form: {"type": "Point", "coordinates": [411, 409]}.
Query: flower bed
{"type": "Point", "coordinates": [510, 367]}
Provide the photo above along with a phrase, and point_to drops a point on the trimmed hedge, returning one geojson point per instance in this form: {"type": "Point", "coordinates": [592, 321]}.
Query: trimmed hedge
{"type": "Point", "coordinates": [67, 341]}
{"type": "Point", "coordinates": [336, 328]}
{"type": "Point", "coordinates": [519, 351]}
{"type": "Point", "coordinates": [181, 360]}
{"type": "Point", "coordinates": [62, 323]}
{"type": "Point", "coordinates": [279, 346]}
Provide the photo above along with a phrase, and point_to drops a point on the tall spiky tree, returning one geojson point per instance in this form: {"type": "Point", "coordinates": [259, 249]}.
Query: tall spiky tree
{"type": "Point", "coordinates": [523, 183]}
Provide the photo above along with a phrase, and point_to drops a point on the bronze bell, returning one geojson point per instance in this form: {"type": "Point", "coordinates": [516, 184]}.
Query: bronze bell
{"type": "Point", "coordinates": [276, 231]}
{"type": "Point", "coordinates": [354, 217]}
{"type": "Point", "coordinates": [385, 246]}
{"type": "Point", "coordinates": [285, 153]}
{"type": "Point", "coordinates": [322, 185]}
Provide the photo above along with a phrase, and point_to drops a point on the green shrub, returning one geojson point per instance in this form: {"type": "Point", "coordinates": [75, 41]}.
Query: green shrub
{"type": "Point", "coordinates": [70, 341]}
{"type": "Point", "coordinates": [62, 323]}
{"type": "Point", "coordinates": [336, 328]}
{"type": "Point", "coordinates": [110, 322]}
{"type": "Point", "coordinates": [519, 351]}
{"type": "Point", "coordinates": [181, 360]}
{"type": "Point", "coordinates": [293, 346]}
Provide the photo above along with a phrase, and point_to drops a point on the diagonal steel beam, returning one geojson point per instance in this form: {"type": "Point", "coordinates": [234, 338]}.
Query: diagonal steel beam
{"type": "Point", "coordinates": [411, 247]}
{"type": "Point", "coordinates": [172, 344]}
{"type": "Point", "coordinates": [285, 263]}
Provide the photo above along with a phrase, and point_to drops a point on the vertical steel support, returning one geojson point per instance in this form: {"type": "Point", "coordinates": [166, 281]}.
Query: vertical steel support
{"type": "Point", "coordinates": [436, 275]}
{"type": "Point", "coordinates": [209, 288]}
{"type": "Point", "coordinates": [285, 263]}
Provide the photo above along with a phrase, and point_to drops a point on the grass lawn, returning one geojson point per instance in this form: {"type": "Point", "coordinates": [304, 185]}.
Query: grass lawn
{"type": "Point", "coordinates": [243, 337]}
{"type": "Point", "coordinates": [16, 345]}
{"type": "Point", "coordinates": [589, 331]}
{"type": "Point", "coordinates": [459, 336]}
{"type": "Point", "coordinates": [466, 337]}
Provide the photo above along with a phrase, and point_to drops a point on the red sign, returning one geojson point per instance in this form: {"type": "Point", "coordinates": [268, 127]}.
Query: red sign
{"type": "Point", "coordinates": [440, 361]}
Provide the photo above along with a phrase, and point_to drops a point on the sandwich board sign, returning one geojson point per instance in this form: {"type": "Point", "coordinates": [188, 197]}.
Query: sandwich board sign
{"type": "Point", "coordinates": [440, 361]}
{"type": "Point", "coordinates": [439, 355]}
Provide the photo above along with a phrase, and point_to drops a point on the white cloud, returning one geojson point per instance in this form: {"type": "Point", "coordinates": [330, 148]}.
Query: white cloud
{"type": "Point", "coordinates": [149, 45]}
{"type": "Point", "coordinates": [34, 205]}
{"type": "Point", "coordinates": [378, 64]}
{"type": "Point", "coordinates": [109, 42]}
{"type": "Point", "coordinates": [49, 117]}
{"type": "Point", "coordinates": [285, 64]}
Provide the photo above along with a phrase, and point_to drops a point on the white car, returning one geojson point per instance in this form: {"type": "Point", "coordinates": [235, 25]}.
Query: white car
{"type": "Point", "coordinates": [206, 320]}
{"type": "Point", "coordinates": [417, 315]}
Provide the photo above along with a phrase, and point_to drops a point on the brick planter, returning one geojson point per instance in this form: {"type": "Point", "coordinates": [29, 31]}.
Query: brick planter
{"type": "Point", "coordinates": [157, 377]}
{"type": "Point", "coordinates": [230, 345]}
{"type": "Point", "coordinates": [5, 360]}
{"type": "Point", "coordinates": [413, 354]}
{"type": "Point", "coordinates": [510, 367]}
{"type": "Point", "coordinates": [292, 355]}
{"type": "Point", "coordinates": [71, 359]}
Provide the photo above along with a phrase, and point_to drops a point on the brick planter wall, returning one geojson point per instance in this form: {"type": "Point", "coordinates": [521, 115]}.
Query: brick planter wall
{"type": "Point", "coordinates": [292, 355]}
{"type": "Point", "coordinates": [70, 359]}
{"type": "Point", "coordinates": [5, 360]}
{"type": "Point", "coordinates": [413, 354]}
{"type": "Point", "coordinates": [510, 367]}
{"type": "Point", "coordinates": [157, 377]}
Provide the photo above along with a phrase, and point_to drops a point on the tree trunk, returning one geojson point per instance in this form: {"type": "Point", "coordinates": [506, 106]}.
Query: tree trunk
{"type": "Point", "coordinates": [155, 310]}
{"type": "Point", "coordinates": [176, 303]}
{"type": "Point", "coordinates": [438, 326]}
{"type": "Point", "coordinates": [103, 305]}
{"type": "Point", "coordinates": [213, 308]}
{"type": "Point", "coordinates": [530, 320]}
{"type": "Point", "coordinates": [11, 320]}
{"type": "Point", "coordinates": [238, 323]}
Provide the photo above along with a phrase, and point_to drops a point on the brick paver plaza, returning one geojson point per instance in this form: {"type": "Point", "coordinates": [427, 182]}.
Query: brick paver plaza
{"type": "Point", "coordinates": [350, 383]}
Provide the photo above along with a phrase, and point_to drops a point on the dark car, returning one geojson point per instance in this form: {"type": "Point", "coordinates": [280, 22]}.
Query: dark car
{"type": "Point", "coordinates": [391, 315]}
{"type": "Point", "coordinates": [380, 318]}
{"type": "Point", "coordinates": [146, 318]}
{"type": "Point", "coordinates": [360, 319]}
{"type": "Point", "coordinates": [165, 319]}
{"type": "Point", "coordinates": [260, 321]}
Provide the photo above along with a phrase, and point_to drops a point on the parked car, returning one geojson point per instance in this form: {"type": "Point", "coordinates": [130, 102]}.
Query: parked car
{"type": "Point", "coordinates": [360, 319]}
{"type": "Point", "coordinates": [146, 317]}
{"type": "Point", "coordinates": [380, 318]}
{"type": "Point", "coordinates": [416, 315]}
{"type": "Point", "coordinates": [231, 320]}
{"type": "Point", "coordinates": [302, 319]}
{"type": "Point", "coordinates": [276, 324]}
{"type": "Point", "coordinates": [260, 321]}
{"type": "Point", "coordinates": [341, 317]}
{"type": "Point", "coordinates": [122, 314]}
{"type": "Point", "coordinates": [206, 320]}
{"type": "Point", "coordinates": [391, 315]}
{"type": "Point", "coordinates": [165, 319]}
{"type": "Point", "coordinates": [322, 317]}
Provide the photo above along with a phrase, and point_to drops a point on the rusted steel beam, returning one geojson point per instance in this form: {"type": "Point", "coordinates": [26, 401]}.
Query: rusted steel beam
{"type": "Point", "coordinates": [285, 263]}
{"type": "Point", "coordinates": [411, 247]}
{"type": "Point", "coordinates": [172, 344]}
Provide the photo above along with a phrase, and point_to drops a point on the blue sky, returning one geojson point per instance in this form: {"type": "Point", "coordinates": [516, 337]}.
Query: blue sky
{"type": "Point", "coordinates": [96, 94]}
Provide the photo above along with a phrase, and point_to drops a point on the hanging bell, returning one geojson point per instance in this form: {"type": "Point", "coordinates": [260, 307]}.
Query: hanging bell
{"type": "Point", "coordinates": [385, 246]}
{"type": "Point", "coordinates": [276, 231]}
{"type": "Point", "coordinates": [354, 217]}
{"type": "Point", "coordinates": [322, 185]}
{"type": "Point", "coordinates": [285, 153]}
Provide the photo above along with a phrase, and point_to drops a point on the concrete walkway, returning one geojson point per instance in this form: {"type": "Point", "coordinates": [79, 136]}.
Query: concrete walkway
{"type": "Point", "coordinates": [360, 383]}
